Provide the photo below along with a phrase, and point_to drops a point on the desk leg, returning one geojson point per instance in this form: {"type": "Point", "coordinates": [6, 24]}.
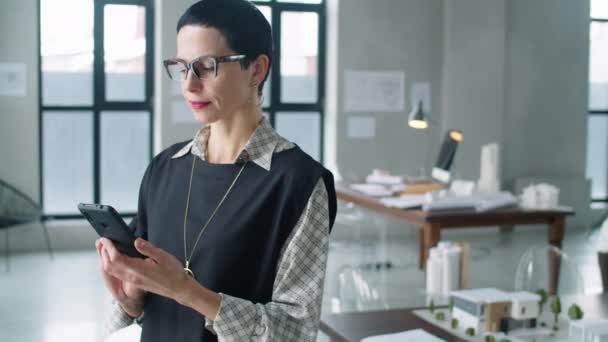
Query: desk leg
{"type": "Point", "coordinates": [430, 235]}
{"type": "Point", "coordinates": [555, 237]}
{"type": "Point", "coordinates": [421, 249]}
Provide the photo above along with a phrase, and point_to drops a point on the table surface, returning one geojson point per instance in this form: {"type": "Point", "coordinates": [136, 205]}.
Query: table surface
{"type": "Point", "coordinates": [354, 326]}
{"type": "Point", "coordinates": [344, 192]}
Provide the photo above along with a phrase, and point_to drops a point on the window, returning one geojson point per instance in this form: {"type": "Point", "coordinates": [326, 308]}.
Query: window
{"type": "Point", "coordinates": [597, 141]}
{"type": "Point", "coordinates": [95, 102]}
{"type": "Point", "coordinates": [294, 91]}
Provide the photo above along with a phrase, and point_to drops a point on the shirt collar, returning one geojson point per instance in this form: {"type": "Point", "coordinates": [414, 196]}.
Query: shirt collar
{"type": "Point", "coordinates": [259, 149]}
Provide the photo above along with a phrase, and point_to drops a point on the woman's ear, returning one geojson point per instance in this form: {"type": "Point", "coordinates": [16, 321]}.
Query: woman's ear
{"type": "Point", "coordinates": [260, 68]}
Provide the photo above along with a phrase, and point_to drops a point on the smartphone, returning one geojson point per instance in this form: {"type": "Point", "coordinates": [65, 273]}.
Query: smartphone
{"type": "Point", "coordinates": [107, 223]}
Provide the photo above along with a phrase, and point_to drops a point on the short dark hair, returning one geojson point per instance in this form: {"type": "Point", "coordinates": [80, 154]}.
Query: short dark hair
{"type": "Point", "coordinates": [245, 28]}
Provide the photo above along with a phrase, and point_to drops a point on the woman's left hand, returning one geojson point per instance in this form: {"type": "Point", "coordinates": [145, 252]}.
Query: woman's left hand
{"type": "Point", "coordinates": [160, 273]}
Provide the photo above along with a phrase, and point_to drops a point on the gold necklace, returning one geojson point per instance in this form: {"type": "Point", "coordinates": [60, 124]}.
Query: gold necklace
{"type": "Point", "coordinates": [186, 258]}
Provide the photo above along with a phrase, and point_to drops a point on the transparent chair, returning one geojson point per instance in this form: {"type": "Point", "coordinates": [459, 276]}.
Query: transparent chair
{"type": "Point", "coordinates": [16, 208]}
{"type": "Point", "coordinates": [357, 289]}
{"type": "Point", "coordinates": [360, 237]}
{"type": "Point", "coordinates": [548, 267]}
{"type": "Point", "coordinates": [357, 260]}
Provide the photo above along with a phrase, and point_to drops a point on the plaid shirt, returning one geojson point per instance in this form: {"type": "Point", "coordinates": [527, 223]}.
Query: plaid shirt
{"type": "Point", "coordinates": [295, 309]}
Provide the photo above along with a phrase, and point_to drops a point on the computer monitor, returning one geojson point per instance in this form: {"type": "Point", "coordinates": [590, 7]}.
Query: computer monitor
{"type": "Point", "coordinates": [441, 170]}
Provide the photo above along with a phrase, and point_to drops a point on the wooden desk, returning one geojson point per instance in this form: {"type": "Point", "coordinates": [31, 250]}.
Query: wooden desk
{"type": "Point", "coordinates": [354, 326]}
{"type": "Point", "coordinates": [431, 224]}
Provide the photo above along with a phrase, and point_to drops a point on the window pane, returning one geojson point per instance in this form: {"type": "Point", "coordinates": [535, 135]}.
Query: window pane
{"type": "Point", "coordinates": [125, 154]}
{"type": "Point", "coordinates": [303, 1]}
{"type": "Point", "coordinates": [124, 52]}
{"type": "Point", "coordinates": [599, 9]}
{"type": "Point", "coordinates": [597, 155]}
{"type": "Point", "coordinates": [266, 11]}
{"type": "Point", "coordinates": [598, 67]}
{"type": "Point", "coordinates": [66, 49]}
{"type": "Point", "coordinates": [266, 91]}
{"type": "Point", "coordinates": [299, 57]}
{"type": "Point", "coordinates": [67, 161]}
{"type": "Point", "coordinates": [303, 128]}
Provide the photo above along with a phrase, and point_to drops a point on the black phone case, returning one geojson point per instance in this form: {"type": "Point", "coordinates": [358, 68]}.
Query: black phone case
{"type": "Point", "coordinates": [107, 223]}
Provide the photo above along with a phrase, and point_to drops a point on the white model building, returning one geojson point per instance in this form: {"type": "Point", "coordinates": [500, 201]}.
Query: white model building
{"type": "Point", "coordinates": [589, 331]}
{"type": "Point", "coordinates": [524, 305]}
{"type": "Point", "coordinates": [489, 307]}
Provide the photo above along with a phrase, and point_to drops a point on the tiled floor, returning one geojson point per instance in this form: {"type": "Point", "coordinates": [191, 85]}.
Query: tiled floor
{"type": "Point", "coordinates": [64, 299]}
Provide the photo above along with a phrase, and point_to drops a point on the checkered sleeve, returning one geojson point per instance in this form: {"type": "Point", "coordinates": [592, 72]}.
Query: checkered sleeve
{"type": "Point", "coordinates": [117, 320]}
{"type": "Point", "coordinates": [295, 309]}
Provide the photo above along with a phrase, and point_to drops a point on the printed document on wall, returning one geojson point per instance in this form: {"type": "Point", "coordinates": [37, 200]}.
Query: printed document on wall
{"type": "Point", "coordinates": [12, 79]}
{"type": "Point", "coordinates": [374, 91]}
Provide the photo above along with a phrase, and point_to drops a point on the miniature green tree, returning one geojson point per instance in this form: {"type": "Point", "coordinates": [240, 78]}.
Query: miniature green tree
{"type": "Point", "coordinates": [575, 312]}
{"type": "Point", "coordinates": [556, 308]}
{"type": "Point", "coordinates": [470, 331]}
{"type": "Point", "coordinates": [454, 323]}
{"type": "Point", "coordinates": [543, 299]}
{"type": "Point", "coordinates": [490, 338]}
{"type": "Point", "coordinates": [432, 306]}
{"type": "Point", "coordinates": [440, 316]}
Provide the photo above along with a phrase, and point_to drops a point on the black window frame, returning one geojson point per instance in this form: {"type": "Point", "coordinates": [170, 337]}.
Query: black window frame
{"type": "Point", "coordinates": [275, 104]}
{"type": "Point", "coordinates": [100, 103]}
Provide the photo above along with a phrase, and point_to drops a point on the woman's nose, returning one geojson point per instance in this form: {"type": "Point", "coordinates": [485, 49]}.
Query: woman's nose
{"type": "Point", "coordinates": [192, 83]}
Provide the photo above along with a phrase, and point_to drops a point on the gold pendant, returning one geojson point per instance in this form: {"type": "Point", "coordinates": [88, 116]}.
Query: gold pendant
{"type": "Point", "coordinates": [188, 270]}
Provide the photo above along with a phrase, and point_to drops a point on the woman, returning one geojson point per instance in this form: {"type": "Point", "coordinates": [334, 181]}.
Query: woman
{"type": "Point", "coordinates": [234, 223]}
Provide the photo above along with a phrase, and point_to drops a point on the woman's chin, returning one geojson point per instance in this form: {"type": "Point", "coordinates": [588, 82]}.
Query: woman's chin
{"type": "Point", "coordinates": [203, 118]}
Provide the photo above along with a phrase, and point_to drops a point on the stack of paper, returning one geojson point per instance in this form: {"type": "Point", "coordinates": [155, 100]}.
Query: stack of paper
{"type": "Point", "coordinates": [384, 179]}
{"type": "Point", "coordinates": [417, 335]}
{"type": "Point", "coordinates": [375, 190]}
{"type": "Point", "coordinates": [404, 201]}
{"type": "Point", "coordinates": [477, 202]}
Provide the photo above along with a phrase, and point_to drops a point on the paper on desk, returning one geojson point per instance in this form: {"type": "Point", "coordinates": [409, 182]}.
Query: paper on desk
{"type": "Point", "coordinates": [384, 179]}
{"type": "Point", "coordinates": [374, 190]}
{"type": "Point", "coordinates": [417, 335]}
{"type": "Point", "coordinates": [404, 201]}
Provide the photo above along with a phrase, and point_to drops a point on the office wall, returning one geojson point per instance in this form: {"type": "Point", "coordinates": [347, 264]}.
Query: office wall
{"type": "Point", "coordinates": [473, 77]}
{"type": "Point", "coordinates": [545, 122]}
{"type": "Point", "coordinates": [386, 35]}
{"type": "Point", "coordinates": [19, 160]}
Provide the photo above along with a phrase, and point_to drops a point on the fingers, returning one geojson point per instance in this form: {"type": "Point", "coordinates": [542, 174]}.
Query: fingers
{"type": "Point", "coordinates": [146, 248]}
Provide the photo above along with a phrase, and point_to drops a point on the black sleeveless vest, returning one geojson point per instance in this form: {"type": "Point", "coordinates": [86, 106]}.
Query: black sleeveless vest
{"type": "Point", "coordinates": [239, 251]}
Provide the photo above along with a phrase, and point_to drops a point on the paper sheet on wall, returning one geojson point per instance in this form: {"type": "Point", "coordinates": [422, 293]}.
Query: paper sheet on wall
{"type": "Point", "coordinates": [417, 335]}
{"type": "Point", "coordinates": [180, 112]}
{"type": "Point", "coordinates": [12, 79]}
{"type": "Point", "coordinates": [421, 92]}
{"type": "Point", "coordinates": [377, 91]}
{"type": "Point", "coordinates": [361, 127]}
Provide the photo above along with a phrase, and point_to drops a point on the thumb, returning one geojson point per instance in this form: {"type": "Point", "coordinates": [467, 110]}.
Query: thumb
{"type": "Point", "coordinates": [146, 248]}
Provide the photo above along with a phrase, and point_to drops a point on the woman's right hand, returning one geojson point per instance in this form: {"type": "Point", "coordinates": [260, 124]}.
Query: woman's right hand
{"type": "Point", "coordinates": [128, 296]}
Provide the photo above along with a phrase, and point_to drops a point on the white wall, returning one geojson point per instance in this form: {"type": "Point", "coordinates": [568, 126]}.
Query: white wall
{"type": "Point", "coordinates": [545, 123]}
{"type": "Point", "coordinates": [19, 161]}
{"type": "Point", "coordinates": [386, 35]}
{"type": "Point", "coordinates": [473, 77]}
